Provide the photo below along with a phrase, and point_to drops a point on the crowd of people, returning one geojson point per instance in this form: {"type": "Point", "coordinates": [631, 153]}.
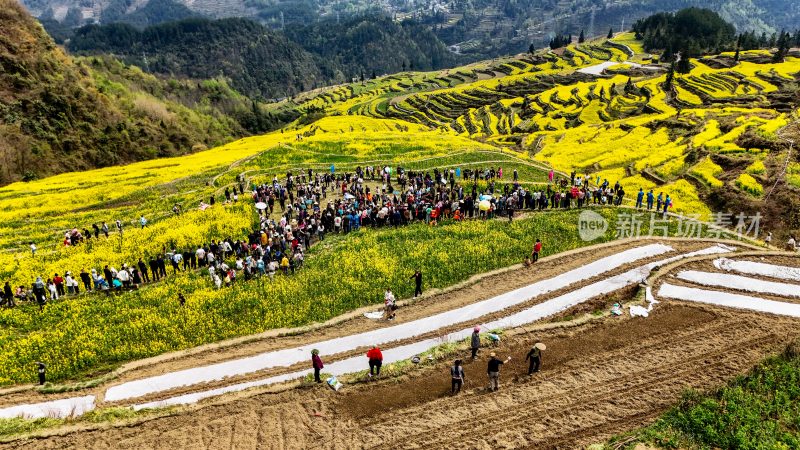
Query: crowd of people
{"type": "Point", "coordinates": [405, 196]}
{"type": "Point", "coordinates": [269, 251]}
{"type": "Point", "coordinates": [295, 212]}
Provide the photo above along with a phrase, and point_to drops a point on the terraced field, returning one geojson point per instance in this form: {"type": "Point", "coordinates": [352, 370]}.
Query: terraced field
{"type": "Point", "coordinates": [719, 139]}
{"type": "Point", "coordinates": [580, 109]}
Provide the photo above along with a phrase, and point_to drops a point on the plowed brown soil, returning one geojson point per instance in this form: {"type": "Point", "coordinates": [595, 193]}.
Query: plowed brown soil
{"type": "Point", "coordinates": [597, 379]}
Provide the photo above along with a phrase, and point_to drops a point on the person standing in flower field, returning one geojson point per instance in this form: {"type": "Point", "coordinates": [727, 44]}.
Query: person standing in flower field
{"type": "Point", "coordinates": [142, 221]}
{"type": "Point", "coordinates": [105, 229]}
{"type": "Point", "coordinates": [86, 279]}
{"type": "Point", "coordinates": [417, 277]}
{"type": "Point", "coordinates": [119, 226]}
{"type": "Point", "coordinates": [33, 249]}
{"type": "Point", "coordinates": [40, 370]}
{"type": "Point", "coordinates": [143, 270]}
{"type": "Point", "coordinates": [537, 248]}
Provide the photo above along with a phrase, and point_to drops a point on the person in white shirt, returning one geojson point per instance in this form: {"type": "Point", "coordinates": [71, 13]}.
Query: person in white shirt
{"type": "Point", "coordinates": [124, 277]}
{"type": "Point", "coordinates": [200, 253]}
{"type": "Point", "coordinates": [72, 284]}
{"type": "Point", "coordinates": [389, 307]}
{"type": "Point", "coordinates": [273, 267]}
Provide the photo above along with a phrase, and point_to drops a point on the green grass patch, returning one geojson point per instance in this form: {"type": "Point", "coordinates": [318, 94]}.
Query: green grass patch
{"type": "Point", "coordinates": [758, 411]}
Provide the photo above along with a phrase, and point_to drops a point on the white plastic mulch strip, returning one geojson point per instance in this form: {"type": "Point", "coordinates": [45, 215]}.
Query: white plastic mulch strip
{"type": "Point", "coordinates": [288, 357]}
{"type": "Point", "coordinates": [740, 283]}
{"type": "Point", "coordinates": [720, 298]}
{"type": "Point", "coordinates": [56, 409]}
{"type": "Point", "coordinates": [757, 268]}
{"type": "Point", "coordinates": [532, 314]}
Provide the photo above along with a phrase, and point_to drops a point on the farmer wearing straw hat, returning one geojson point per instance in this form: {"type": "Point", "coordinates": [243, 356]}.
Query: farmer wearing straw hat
{"type": "Point", "coordinates": [535, 357]}
{"type": "Point", "coordinates": [494, 371]}
{"type": "Point", "coordinates": [475, 341]}
{"type": "Point", "coordinates": [316, 361]}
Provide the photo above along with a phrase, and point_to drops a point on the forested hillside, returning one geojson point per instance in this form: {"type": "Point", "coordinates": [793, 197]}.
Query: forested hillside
{"type": "Point", "coordinates": [374, 44]}
{"type": "Point", "coordinates": [265, 63]}
{"type": "Point", "coordinates": [477, 28]}
{"type": "Point", "coordinates": [58, 114]}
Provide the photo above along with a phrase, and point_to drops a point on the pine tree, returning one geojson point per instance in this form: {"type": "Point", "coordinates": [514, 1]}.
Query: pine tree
{"type": "Point", "coordinates": [670, 77]}
{"type": "Point", "coordinates": [684, 65]}
{"type": "Point", "coordinates": [629, 86]}
{"type": "Point", "coordinates": [532, 49]}
{"type": "Point", "coordinates": [668, 55]}
{"type": "Point", "coordinates": [783, 47]}
{"type": "Point", "coordinates": [736, 56]}
{"type": "Point", "coordinates": [610, 33]}
{"type": "Point", "coordinates": [581, 38]}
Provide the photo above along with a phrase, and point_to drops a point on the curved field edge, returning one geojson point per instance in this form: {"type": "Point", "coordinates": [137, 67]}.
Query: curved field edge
{"type": "Point", "coordinates": [344, 273]}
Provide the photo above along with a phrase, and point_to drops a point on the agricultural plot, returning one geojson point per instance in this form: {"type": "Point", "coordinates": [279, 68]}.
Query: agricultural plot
{"type": "Point", "coordinates": [588, 110]}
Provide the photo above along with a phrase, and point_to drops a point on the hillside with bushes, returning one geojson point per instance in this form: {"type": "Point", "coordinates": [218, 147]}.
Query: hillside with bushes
{"type": "Point", "coordinates": [58, 114]}
{"type": "Point", "coordinates": [266, 63]}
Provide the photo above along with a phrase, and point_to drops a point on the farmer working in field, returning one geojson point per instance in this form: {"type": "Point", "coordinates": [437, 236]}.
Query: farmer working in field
{"type": "Point", "coordinates": [316, 362]}
{"type": "Point", "coordinates": [535, 357]}
{"type": "Point", "coordinates": [375, 361]}
{"type": "Point", "coordinates": [494, 371]}
{"type": "Point", "coordinates": [475, 341]}
{"type": "Point", "coordinates": [457, 375]}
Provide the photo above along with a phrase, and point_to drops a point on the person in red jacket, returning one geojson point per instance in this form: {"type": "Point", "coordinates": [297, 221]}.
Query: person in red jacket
{"type": "Point", "coordinates": [375, 360]}
{"type": "Point", "coordinates": [316, 361]}
{"type": "Point", "coordinates": [537, 247]}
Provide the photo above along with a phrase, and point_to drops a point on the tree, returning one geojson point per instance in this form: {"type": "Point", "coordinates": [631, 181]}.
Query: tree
{"type": "Point", "coordinates": [736, 56]}
{"type": "Point", "coordinates": [668, 55]}
{"type": "Point", "coordinates": [629, 86]}
{"type": "Point", "coordinates": [697, 29]}
{"type": "Point", "coordinates": [610, 33]}
{"type": "Point", "coordinates": [783, 47]}
{"type": "Point", "coordinates": [531, 49]}
{"type": "Point", "coordinates": [581, 38]}
{"type": "Point", "coordinates": [684, 65]}
{"type": "Point", "coordinates": [670, 77]}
